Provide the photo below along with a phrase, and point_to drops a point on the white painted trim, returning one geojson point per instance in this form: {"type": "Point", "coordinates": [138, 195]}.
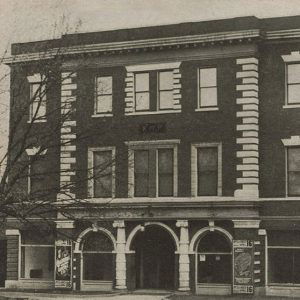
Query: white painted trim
{"type": "Point", "coordinates": [157, 112]}
{"type": "Point", "coordinates": [291, 106]}
{"type": "Point", "coordinates": [246, 223]}
{"type": "Point", "coordinates": [153, 67]}
{"type": "Point", "coordinates": [194, 171]}
{"type": "Point", "coordinates": [35, 78]}
{"type": "Point", "coordinates": [292, 141]}
{"type": "Point", "coordinates": [64, 224]}
{"type": "Point", "coordinates": [294, 56]}
{"type": "Point", "coordinates": [90, 174]}
{"type": "Point", "coordinates": [152, 143]}
{"type": "Point", "coordinates": [141, 227]}
{"type": "Point", "coordinates": [102, 115]}
{"type": "Point", "coordinates": [12, 232]}
{"type": "Point", "coordinates": [203, 230]}
{"type": "Point", "coordinates": [207, 109]}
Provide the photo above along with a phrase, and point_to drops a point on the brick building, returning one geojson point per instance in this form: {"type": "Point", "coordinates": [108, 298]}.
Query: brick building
{"type": "Point", "coordinates": [198, 125]}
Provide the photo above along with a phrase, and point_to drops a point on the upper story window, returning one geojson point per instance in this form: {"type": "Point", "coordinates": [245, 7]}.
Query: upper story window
{"type": "Point", "coordinates": [37, 107]}
{"type": "Point", "coordinates": [293, 84]}
{"type": "Point", "coordinates": [154, 88]}
{"type": "Point", "coordinates": [103, 95]}
{"type": "Point", "coordinates": [293, 171]}
{"type": "Point", "coordinates": [207, 88]}
{"type": "Point", "coordinates": [101, 167]}
{"type": "Point", "coordinates": [152, 169]}
{"type": "Point", "coordinates": [165, 90]}
{"type": "Point", "coordinates": [142, 92]}
{"type": "Point", "coordinates": [206, 169]}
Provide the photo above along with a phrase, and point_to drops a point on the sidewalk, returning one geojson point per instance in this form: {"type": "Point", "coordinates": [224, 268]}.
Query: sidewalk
{"type": "Point", "coordinates": [13, 295]}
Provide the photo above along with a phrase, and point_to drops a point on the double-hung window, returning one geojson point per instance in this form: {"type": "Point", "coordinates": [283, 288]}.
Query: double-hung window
{"type": "Point", "coordinates": [293, 171]}
{"type": "Point", "coordinates": [37, 102]}
{"type": "Point", "coordinates": [207, 88]}
{"type": "Point", "coordinates": [165, 90]}
{"type": "Point", "coordinates": [153, 88]}
{"type": "Point", "coordinates": [101, 172]}
{"type": "Point", "coordinates": [152, 169]}
{"type": "Point", "coordinates": [103, 95]}
{"type": "Point", "coordinates": [37, 99]}
{"type": "Point", "coordinates": [206, 169]}
{"type": "Point", "coordinates": [293, 84]}
{"type": "Point", "coordinates": [142, 92]}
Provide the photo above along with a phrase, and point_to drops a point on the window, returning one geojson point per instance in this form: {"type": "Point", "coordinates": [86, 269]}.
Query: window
{"type": "Point", "coordinates": [37, 102]}
{"type": "Point", "coordinates": [293, 84]}
{"type": "Point", "coordinates": [97, 257]}
{"type": "Point", "coordinates": [165, 87]}
{"type": "Point", "coordinates": [293, 171]}
{"type": "Point", "coordinates": [103, 95]}
{"type": "Point", "coordinates": [142, 94]}
{"type": "Point", "coordinates": [152, 170]}
{"type": "Point", "coordinates": [283, 257]}
{"type": "Point", "coordinates": [36, 178]}
{"type": "Point", "coordinates": [206, 169]}
{"type": "Point", "coordinates": [101, 172]}
{"type": "Point", "coordinates": [207, 95]}
{"type": "Point", "coordinates": [160, 98]}
{"type": "Point", "coordinates": [214, 259]}
{"type": "Point", "coordinates": [37, 255]}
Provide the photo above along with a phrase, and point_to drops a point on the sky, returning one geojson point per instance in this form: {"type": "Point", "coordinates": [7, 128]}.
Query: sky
{"type": "Point", "coordinates": [30, 20]}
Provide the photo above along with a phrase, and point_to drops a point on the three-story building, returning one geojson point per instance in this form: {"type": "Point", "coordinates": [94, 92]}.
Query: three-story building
{"type": "Point", "coordinates": [181, 147]}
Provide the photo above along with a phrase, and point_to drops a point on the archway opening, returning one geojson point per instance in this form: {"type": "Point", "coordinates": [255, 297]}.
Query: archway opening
{"type": "Point", "coordinates": [214, 259]}
{"type": "Point", "coordinates": [97, 257]}
{"type": "Point", "coordinates": [154, 259]}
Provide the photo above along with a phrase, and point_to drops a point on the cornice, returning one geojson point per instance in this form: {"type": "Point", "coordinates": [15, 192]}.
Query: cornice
{"type": "Point", "coordinates": [128, 46]}
{"type": "Point", "coordinates": [159, 43]}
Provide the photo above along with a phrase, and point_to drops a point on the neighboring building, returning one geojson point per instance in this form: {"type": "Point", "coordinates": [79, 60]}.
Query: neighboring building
{"type": "Point", "coordinates": [198, 127]}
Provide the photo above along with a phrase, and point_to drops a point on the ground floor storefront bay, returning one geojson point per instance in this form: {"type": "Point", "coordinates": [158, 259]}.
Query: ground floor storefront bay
{"type": "Point", "coordinates": [201, 256]}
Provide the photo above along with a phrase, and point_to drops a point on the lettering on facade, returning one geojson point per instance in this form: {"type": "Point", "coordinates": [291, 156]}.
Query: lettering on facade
{"type": "Point", "coordinates": [152, 128]}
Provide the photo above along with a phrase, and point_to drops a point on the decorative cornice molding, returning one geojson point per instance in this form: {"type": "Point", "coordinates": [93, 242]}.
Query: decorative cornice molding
{"type": "Point", "coordinates": [132, 45]}
{"type": "Point", "coordinates": [282, 34]}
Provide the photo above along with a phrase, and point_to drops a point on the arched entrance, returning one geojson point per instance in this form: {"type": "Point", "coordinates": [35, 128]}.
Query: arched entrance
{"type": "Point", "coordinates": [154, 258]}
{"type": "Point", "coordinates": [213, 263]}
{"type": "Point", "coordinates": [96, 246]}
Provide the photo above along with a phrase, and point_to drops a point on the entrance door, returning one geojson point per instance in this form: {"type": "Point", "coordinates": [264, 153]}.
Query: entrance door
{"type": "Point", "coordinates": [155, 259]}
{"type": "Point", "coordinates": [2, 262]}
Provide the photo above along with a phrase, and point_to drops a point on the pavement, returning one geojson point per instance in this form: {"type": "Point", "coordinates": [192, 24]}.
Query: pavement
{"type": "Point", "coordinates": [13, 295]}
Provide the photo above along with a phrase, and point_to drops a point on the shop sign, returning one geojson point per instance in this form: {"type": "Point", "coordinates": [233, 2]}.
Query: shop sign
{"type": "Point", "coordinates": [243, 258]}
{"type": "Point", "coordinates": [63, 264]}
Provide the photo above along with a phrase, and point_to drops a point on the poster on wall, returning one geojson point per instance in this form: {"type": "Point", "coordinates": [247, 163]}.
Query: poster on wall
{"type": "Point", "coordinates": [63, 264]}
{"type": "Point", "coordinates": [243, 259]}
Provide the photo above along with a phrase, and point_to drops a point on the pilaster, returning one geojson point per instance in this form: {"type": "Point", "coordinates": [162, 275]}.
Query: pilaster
{"type": "Point", "coordinates": [184, 261]}
{"type": "Point", "coordinates": [120, 255]}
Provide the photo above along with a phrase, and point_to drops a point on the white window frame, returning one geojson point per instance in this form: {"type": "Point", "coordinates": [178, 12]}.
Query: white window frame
{"type": "Point", "coordinates": [152, 145]}
{"type": "Point", "coordinates": [90, 174]}
{"type": "Point", "coordinates": [292, 58]}
{"type": "Point", "coordinates": [194, 168]}
{"type": "Point", "coordinates": [160, 67]}
{"type": "Point", "coordinates": [102, 114]}
{"type": "Point", "coordinates": [30, 153]}
{"type": "Point", "coordinates": [40, 80]}
{"type": "Point", "coordinates": [208, 108]}
{"type": "Point", "coordinates": [293, 141]}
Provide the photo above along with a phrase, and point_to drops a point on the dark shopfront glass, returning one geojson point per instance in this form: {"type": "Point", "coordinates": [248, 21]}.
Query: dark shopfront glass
{"type": "Point", "coordinates": [284, 265]}
{"type": "Point", "coordinates": [214, 259]}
